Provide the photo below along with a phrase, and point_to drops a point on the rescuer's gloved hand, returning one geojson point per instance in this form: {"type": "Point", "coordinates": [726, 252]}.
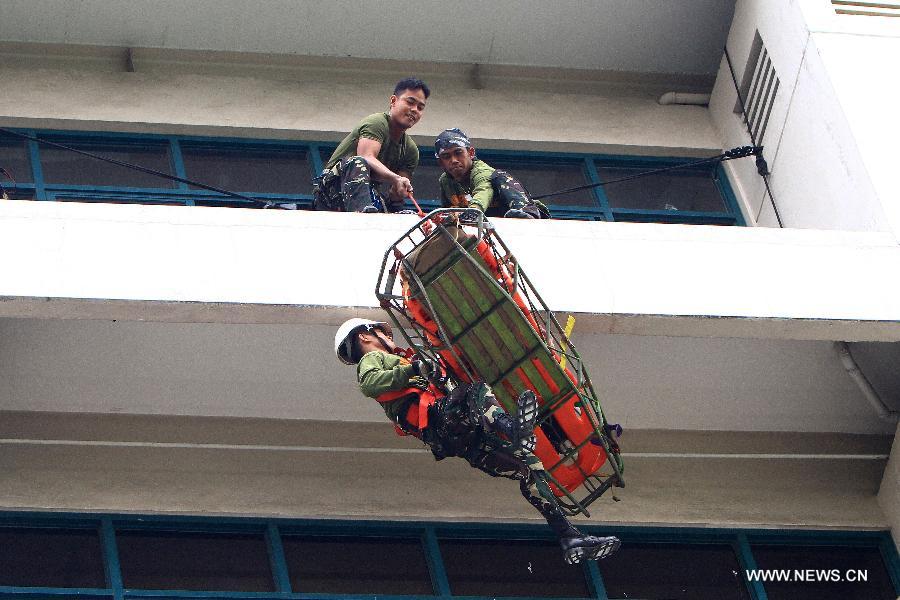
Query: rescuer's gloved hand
{"type": "Point", "coordinates": [517, 213]}
{"type": "Point", "coordinates": [470, 215]}
{"type": "Point", "coordinates": [425, 367]}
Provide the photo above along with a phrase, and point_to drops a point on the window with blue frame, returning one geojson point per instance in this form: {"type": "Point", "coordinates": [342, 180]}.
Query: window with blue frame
{"type": "Point", "coordinates": [65, 169]}
{"type": "Point", "coordinates": [51, 557]}
{"type": "Point", "coordinates": [269, 169]}
{"type": "Point", "coordinates": [317, 564]}
{"type": "Point", "coordinates": [520, 568]}
{"type": "Point", "coordinates": [282, 172]}
{"type": "Point", "coordinates": [56, 555]}
{"type": "Point", "coordinates": [542, 175]}
{"type": "Point", "coordinates": [677, 571]}
{"type": "Point", "coordinates": [197, 561]}
{"type": "Point", "coordinates": [14, 160]}
{"type": "Point", "coordinates": [15, 177]}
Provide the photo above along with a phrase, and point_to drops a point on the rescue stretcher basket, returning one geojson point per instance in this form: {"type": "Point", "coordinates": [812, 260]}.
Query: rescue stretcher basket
{"type": "Point", "coordinates": [456, 294]}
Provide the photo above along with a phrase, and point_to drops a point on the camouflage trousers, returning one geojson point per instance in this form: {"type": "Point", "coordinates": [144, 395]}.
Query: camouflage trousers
{"type": "Point", "coordinates": [510, 194]}
{"type": "Point", "coordinates": [457, 426]}
{"type": "Point", "coordinates": [529, 472]}
{"type": "Point", "coordinates": [348, 187]}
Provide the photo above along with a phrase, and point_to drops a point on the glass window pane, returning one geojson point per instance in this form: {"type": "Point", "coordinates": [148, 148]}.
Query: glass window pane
{"type": "Point", "coordinates": [14, 158]}
{"type": "Point", "coordinates": [325, 153]}
{"type": "Point", "coordinates": [689, 190]}
{"type": "Point", "coordinates": [838, 564]}
{"type": "Point", "coordinates": [544, 177]}
{"type": "Point", "coordinates": [425, 179]}
{"type": "Point", "coordinates": [19, 194]}
{"type": "Point", "coordinates": [511, 568]}
{"type": "Point", "coordinates": [66, 167]}
{"type": "Point", "coordinates": [194, 561]}
{"type": "Point", "coordinates": [51, 558]}
{"type": "Point", "coordinates": [341, 565]}
{"type": "Point", "coordinates": [674, 571]}
{"type": "Point", "coordinates": [249, 169]}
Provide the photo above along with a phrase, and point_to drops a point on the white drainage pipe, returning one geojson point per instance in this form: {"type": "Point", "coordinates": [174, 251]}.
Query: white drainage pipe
{"type": "Point", "coordinates": [684, 98]}
{"type": "Point", "coordinates": [852, 368]}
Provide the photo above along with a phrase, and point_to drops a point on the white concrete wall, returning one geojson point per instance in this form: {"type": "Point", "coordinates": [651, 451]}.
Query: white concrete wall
{"type": "Point", "coordinates": [223, 255]}
{"type": "Point", "coordinates": [623, 35]}
{"type": "Point", "coordinates": [202, 93]}
{"type": "Point", "coordinates": [862, 57]}
{"type": "Point", "coordinates": [145, 464]}
{"type": "Point", "coordinates": [289, 372]}
{"type": "Point", "coordinates": [821, 178]}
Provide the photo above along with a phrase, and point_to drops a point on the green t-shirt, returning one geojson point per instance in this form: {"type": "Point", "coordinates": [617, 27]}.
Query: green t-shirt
{"type": "Point", "coordinates": [379, 372]}
{"type": "Point", "coordinates": [475, 192]}
{"type": "Point", "coordinates": [402, 155]}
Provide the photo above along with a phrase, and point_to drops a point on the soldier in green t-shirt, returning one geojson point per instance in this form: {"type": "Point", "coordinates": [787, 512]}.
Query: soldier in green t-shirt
{"type": "Point", "coordinates": [377, 151]}
{"type": "Point", "coordinates": [471, 183]}
{"type": "Point", "coordinates": [454, 424]}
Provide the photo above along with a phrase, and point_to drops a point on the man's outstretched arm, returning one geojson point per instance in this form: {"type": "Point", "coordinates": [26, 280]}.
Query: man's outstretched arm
{"type": "Point", "coordinates": [401, 186]}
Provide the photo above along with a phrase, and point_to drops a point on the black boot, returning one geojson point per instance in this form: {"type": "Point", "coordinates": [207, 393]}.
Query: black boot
{"type": "Point", "coordinates": [578, 548]}
{"type": "Point", "coordinates": [519, 429]}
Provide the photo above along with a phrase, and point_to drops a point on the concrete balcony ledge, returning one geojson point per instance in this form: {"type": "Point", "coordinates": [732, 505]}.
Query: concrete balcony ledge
{"type": "Point", "coordinates": [196, 264]}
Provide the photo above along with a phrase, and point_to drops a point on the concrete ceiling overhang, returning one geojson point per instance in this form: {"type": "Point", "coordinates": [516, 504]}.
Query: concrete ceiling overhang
{"type": "Point", "coordinates": [642, 36]}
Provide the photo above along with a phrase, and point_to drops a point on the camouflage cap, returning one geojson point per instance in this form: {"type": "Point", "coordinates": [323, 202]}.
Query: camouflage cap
{"type": "Point", "coordinates": [450, 138]}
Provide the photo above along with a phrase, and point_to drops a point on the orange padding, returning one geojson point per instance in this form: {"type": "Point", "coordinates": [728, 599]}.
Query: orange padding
{"type": "Point", "coordinates": [417, 414]}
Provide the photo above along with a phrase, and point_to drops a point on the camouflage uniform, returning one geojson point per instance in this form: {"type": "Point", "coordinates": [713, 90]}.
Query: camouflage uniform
{"type": "Point", "coordinates": [454, 430]}
{"type": "Point", "coordinates": [346, 182]}
{"type": "Point", "coordinates": [347, 187]}
{"type": "Point", "coordinates": [459, 425]}
{"type": "Point", "coordinates": [491, 190]}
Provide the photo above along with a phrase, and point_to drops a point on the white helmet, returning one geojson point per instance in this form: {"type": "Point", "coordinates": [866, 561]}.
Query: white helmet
{"type": "Point", "coordinates": [343, 339]}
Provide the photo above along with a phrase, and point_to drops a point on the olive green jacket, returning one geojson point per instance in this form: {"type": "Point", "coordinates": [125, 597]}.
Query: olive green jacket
{"type": "Point", "coordinates": [475, 192]}
{"type": "Point", "coordinates": [379, 372]}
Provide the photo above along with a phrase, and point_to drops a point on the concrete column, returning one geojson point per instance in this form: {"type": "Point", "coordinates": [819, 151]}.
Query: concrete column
{"type": "Point", "coordinates": [889, 493]}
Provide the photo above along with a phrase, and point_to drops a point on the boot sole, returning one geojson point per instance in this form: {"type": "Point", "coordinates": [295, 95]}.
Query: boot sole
{"type": "Point", "coordinates": [526, 413]}
{"type": "Point", "coordinates": [526, 418]}
{"type": "Point", "coordinates": [574, 556]}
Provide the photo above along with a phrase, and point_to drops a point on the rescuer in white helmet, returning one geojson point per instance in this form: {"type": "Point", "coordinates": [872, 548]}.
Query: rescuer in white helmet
{"type": "Point", "coordinates": [454, 424]}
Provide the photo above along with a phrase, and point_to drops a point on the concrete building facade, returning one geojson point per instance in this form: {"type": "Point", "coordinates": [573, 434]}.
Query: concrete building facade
{"type": "Point", "coordinates": [165, 357]}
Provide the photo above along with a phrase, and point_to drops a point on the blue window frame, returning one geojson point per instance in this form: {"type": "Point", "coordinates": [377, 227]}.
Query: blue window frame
{"type": "Point", "coordinates": [61, 555]}
{"type": "Point", "coordinates": [282, 171]}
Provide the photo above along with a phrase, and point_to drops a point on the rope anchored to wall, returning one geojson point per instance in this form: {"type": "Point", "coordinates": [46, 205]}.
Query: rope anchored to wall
{"type": "Point", "coordinates": [734, 153]}
{"type": "Point", "coordinates": [761, 167]}
{"type": "Point", "coordinates": [127, 165]}
{"type": "Point", "coordinates": [740, 152]}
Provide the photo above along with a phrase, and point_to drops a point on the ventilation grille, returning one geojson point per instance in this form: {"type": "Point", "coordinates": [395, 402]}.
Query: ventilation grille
{"type": "Point", "coordinates": [867, 9]}
{"type": "Point", "coordinates": [758, 89]}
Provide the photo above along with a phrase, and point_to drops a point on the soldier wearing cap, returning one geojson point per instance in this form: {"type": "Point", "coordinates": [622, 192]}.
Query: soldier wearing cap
{"type": "Point", "coordinates": [377, 151]}
{"type": "Point", "coordinates": [468, 182]}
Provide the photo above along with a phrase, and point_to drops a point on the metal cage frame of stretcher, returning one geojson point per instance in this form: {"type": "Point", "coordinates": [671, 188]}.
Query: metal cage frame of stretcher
{"type": "Point", "coordinates": [506, 298]}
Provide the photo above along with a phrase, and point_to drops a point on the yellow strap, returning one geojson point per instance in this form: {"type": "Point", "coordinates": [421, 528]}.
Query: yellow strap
{"type": "Point", "coordinates": [570, 325]}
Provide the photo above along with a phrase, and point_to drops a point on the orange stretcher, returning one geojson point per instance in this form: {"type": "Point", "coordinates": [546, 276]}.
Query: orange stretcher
{"type": "Point", "coordinates": [458, 295]}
